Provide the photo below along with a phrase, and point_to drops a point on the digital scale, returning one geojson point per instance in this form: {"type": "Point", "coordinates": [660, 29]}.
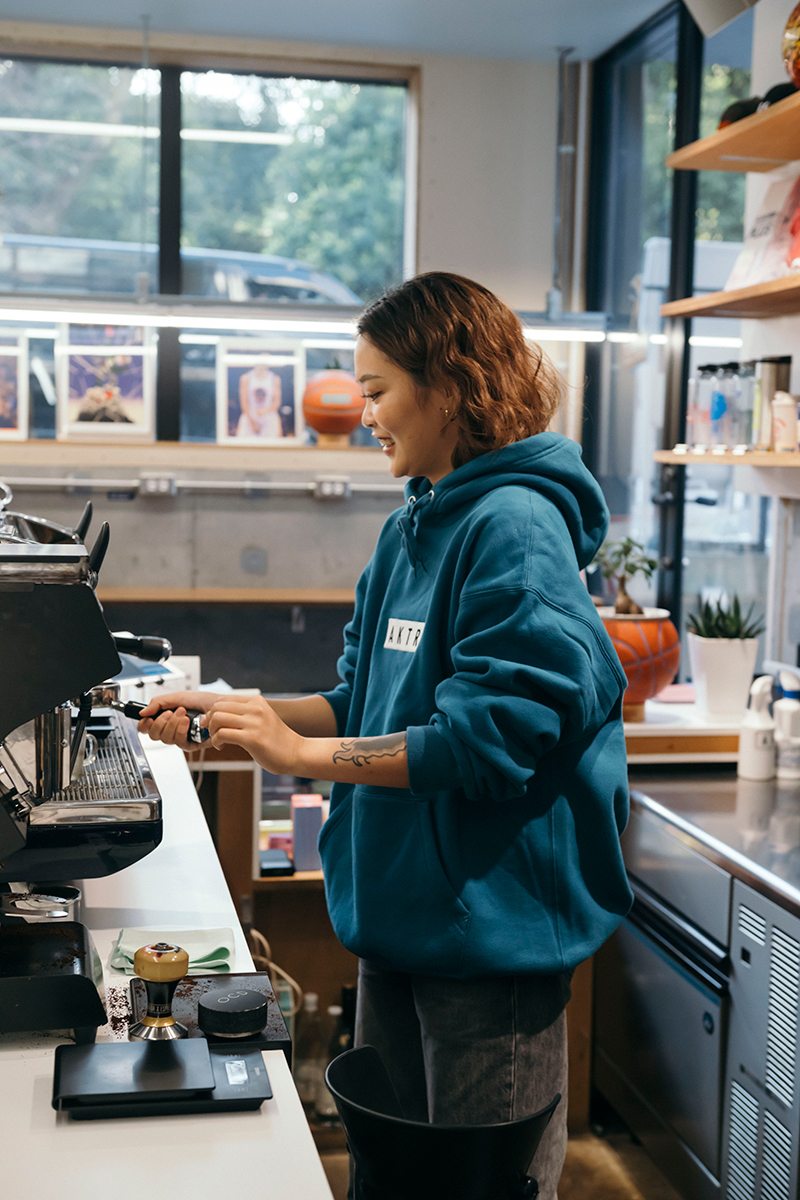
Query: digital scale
{"type": "Point", "coordinates": [148, 1079]}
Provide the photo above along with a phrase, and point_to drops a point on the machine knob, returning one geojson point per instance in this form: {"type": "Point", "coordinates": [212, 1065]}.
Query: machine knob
{"type": "Point", "coordinates": [162, 966]}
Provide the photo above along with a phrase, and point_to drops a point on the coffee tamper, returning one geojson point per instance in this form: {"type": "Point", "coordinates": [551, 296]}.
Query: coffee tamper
{"type": "Point", "coordinates": [162, 966]}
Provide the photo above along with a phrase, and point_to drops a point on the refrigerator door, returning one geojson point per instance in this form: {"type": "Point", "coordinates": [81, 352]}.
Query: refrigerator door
{"type": "Point", "coordinates": [659, 1036]}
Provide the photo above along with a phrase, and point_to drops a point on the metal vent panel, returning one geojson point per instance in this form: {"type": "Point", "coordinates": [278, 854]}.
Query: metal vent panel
{"type": "Point", "coordinates": [784, 999]}
{"type": "Point", "coordinates": [752, 925]}
{"type": "Point", "coordinates": [114, 775]}
{"type": "Point", "coordinates": [776, 1160]}
{"type": "Point", "coordinates": [743, 1144]}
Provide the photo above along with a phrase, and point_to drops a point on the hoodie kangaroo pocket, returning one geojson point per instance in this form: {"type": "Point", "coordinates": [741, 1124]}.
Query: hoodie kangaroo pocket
{"type": "Point", "coordinates": [389, 897]}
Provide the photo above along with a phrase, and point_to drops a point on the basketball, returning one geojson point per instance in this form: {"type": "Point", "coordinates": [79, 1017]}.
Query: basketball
{"type": "Point", "coordinates": [649, 649]}
{"type": "Point", "coordinates": [332, 402]}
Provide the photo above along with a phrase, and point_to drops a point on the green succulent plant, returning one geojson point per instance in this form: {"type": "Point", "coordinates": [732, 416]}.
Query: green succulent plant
{"type": "Point", "coordinates": [622, 561]}
{"type": "Point", "coordinates": [721, 622]}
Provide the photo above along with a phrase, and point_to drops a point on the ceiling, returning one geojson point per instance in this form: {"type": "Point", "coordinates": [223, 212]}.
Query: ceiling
{"type": "Point", "coordinates": [512, 29]}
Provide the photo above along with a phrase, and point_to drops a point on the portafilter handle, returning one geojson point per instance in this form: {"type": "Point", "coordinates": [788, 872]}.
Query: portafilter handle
{"type": "Point", "coordinates": [162, 966]}
{"type": "Point", "coordinates": [151, 649]}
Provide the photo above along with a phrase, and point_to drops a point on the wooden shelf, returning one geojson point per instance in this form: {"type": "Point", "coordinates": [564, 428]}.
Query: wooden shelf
{"type": "Point", "coordinates": [303, 880]}
{"type": "Point", "coordinates": [753, 458]}
{"type": "Point", "coordinates": [47, 452]}
{"type": "Point", "coordinates": [776, 298]}
{"type": "Point", "coordinates": [762, 142]}
{"type": "Point", "coordinates": [283, 596]}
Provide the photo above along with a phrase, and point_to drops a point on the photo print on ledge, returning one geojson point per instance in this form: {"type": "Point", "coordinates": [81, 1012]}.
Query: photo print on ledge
{"type": "Point", "coordinates": [13, 385]}
{"type": "Point", "coordinates": [260, 385]}
{"type": "Point", "coordinates": [105, 379]}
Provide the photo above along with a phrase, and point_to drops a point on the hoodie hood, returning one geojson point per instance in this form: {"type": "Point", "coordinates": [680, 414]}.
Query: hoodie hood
{"type": "Point", "coordinates": [548, 463]}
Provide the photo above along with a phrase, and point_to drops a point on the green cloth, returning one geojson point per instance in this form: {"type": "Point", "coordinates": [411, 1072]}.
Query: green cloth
{"type": "Point", "coordinates": [209, 950]}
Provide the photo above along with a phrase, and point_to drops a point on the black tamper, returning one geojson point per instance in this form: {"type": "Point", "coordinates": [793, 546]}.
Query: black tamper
{"type": "Point", "coordinates": [229, 1015]}
{"type": "Point", "coordinates": [162, 966]}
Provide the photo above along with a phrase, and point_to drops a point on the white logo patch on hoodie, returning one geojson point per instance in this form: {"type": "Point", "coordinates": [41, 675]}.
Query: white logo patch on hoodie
{"type": "Point", "coordinates": [403, 635]}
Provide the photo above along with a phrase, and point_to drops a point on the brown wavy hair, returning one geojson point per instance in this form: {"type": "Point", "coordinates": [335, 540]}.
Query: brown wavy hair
{"type": "Point", "coordinates": [455, 336]}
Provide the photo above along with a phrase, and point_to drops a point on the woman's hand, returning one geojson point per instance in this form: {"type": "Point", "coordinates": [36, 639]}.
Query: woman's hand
{"type": "Point", "coordinates": [251, 722]}
{"type": "Point", "coordinates": [165, 720]}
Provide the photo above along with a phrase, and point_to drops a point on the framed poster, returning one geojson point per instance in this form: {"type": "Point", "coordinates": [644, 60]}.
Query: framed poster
{"type": "Point", "coordinates": [14, 391]}
{"type": "Point", "coordinates": [260, 388]}
{"type": "Point", "coordinates": [105, 381]}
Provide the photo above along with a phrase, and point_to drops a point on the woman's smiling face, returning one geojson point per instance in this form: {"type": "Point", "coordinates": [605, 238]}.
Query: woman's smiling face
{"type": "Point", "coordinates": [412, 426]}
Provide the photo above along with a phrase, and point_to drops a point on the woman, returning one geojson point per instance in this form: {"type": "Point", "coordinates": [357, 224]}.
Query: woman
{"type": "Point", "coordinates": [472, 852]}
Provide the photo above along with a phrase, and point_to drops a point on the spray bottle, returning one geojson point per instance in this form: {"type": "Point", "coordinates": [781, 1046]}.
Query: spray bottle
{"type": "Point", "coordinates": [757, 734]}
{"type": "Point", "coordinates": [787, 726]}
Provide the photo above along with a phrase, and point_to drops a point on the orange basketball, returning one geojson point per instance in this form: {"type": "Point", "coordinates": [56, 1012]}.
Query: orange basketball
{"type": "Point", "coordinates": [649, 649]}
{"type": "Point", "coordinates": [332, 402]}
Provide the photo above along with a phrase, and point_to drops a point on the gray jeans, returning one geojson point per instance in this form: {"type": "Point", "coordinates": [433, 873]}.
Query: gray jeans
{"type": "Point", "coordinates": [470, 1052]}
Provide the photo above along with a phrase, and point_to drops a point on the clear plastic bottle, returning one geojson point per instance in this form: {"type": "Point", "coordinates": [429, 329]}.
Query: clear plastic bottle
{"type": "Point", "coordinates": [309, 1053]}
{"type": "Point", "coordinates": [720, 414]}
{"type": "Point", "coordinates": [733, 397]}
{"type": "Point", "coordinates": [691, 410]}
{"type": "Point", "coordinates": [325, 1105]}
{"type": "Point", "coordinates": [747, 380]}
{"type": "Point", "coordinates": [701, 429]}
{"type": "Point", "coordinates": [784, 422]}
{"type": "Point", "coordinates": [786, 711]}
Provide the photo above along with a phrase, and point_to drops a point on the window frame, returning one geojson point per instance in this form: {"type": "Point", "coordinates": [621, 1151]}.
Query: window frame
{"type": "Point", "coordinates": [689, 76]}
{"type": "Point", "coordinates": [172, 54]}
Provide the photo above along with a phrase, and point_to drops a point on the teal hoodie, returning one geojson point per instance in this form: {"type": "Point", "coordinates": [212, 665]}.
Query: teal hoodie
{"type": "Point", "coordinates": [474, 633]}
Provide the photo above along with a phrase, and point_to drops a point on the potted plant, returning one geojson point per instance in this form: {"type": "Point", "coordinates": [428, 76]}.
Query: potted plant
{"type": "Point", "coordinates": [645, 639]}
{"type": "Point", "coordinates": [723, 644]}
{"type": "Point", "coordinates": [622, 561]}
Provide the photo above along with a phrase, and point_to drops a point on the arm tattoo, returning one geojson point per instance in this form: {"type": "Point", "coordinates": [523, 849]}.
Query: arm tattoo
{"type": "Point", "coordinates": [362, 751]}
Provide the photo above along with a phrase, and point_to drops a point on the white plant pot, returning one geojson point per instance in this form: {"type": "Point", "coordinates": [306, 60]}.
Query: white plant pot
{"type": "Point", "coordinates": [722, 672]}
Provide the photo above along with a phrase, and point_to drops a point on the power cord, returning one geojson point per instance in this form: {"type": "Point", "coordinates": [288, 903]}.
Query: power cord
{"type": "Point", "coordinates": [262, 956]}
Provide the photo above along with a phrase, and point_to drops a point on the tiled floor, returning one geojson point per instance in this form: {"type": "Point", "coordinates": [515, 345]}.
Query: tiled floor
{"type": "Point", "coordinates": [612, 1168]}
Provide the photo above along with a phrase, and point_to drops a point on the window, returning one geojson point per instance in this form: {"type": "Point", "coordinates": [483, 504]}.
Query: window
{"type": "Point", "coordinates": [628, 268]}
{"type": "Point", "coordinates": [293, 190]}
{"type": "Point", "coordinates": [725, 531]}
{"type": "Point", "coordinates": [78, 178]}
{"type": "Point", "coordinates": [722, 535]}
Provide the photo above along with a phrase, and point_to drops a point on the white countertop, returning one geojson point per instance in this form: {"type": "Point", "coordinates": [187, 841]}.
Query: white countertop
{"type": "Point", "coordinates": [45, 1154]}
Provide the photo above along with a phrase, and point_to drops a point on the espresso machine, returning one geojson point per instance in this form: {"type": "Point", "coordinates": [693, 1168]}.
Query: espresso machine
{"type": "Point", "coordinates": [77, 799]}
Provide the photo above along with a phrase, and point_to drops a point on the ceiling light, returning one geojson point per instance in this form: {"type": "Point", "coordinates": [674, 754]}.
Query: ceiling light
{"type": "Point", "coordinates": [174, 320]}
{"type": "Point", "coordinates": [561, 334]}
{"type": "Point", "coordinates": [732, 343]}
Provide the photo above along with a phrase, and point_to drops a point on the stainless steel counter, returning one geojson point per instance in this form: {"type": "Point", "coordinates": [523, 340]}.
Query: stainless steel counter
{"type": "Point", "coordinates": [697, 994]}
{"type": "Point", "coordinates": [751, 830]}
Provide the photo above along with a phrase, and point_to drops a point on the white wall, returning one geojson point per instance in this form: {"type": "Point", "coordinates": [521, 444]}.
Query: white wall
{"type": "Point", "coordinates": [487, 174]}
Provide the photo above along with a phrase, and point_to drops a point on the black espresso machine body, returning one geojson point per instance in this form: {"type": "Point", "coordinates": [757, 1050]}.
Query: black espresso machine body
{"type": "Point", "coordinates": [65, 813]}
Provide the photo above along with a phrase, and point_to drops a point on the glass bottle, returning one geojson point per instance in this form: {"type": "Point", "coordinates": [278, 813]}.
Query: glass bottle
{"type": "Point", "coordinates": [309, 1053]}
